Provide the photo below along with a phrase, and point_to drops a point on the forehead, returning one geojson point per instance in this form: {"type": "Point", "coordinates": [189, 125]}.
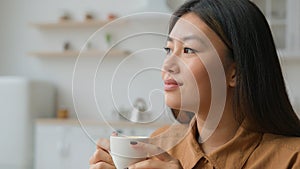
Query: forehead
{"type": "Point", "coordinates": [190, 25]}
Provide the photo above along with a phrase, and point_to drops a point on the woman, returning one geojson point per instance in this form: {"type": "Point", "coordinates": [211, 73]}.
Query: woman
{"type": "Point", "coordinates": [258, 128]}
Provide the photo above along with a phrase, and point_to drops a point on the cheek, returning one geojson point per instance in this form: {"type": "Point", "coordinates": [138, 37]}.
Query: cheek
{"type": "Point", "coordinates": [201, 77]}
{"type": "Point", "coordinates": [202, 81]}
{"type": "Point", "coordinates": [173, 100]}
{"type": "Point", "coordinates": [163, 74]}
{"type": "Point", "coordinates": [198, 74]}
{"type": "Point", "coordinates": [196, 90]}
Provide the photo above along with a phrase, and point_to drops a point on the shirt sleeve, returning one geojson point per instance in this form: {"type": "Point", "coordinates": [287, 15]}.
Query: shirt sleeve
{"type": "Point", "coordinates": [159, 131]}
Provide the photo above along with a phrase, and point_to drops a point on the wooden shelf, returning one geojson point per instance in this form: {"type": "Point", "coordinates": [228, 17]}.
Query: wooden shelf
{"type": "Point", "coordinates": [76, 53]}
{"type": "Point", "coordinates": [70, 24]}
{"type": "Point", "coordinates": [76, 122]}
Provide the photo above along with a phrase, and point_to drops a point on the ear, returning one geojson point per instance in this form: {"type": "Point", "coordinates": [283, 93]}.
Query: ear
{"type": "Point", "coordinates": [231, 75]}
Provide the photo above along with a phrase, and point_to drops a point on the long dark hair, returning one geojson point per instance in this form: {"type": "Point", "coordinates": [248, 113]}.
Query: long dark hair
{"type": "Point", "coordinates": [260, 95]}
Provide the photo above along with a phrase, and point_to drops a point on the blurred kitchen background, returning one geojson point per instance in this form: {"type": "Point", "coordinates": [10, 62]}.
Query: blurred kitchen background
{"type": "Point", "coordinates": [60, 90]}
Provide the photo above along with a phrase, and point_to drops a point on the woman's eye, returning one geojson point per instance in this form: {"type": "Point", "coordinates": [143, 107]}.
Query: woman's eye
{"type": "Point", "coordinates": [189, 50]}
{"type": "Point", "coordinates": [168, 50]}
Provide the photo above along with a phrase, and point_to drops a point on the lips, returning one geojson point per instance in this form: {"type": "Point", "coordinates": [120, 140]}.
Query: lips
{"type": "Point", "coordinates": [171, 84]}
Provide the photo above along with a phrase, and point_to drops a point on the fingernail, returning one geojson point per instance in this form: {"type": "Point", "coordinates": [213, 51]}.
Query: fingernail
{"type": "Point", "coordinates": [133, 142]}
{"type": "Point", "coordinates": [114, 133]}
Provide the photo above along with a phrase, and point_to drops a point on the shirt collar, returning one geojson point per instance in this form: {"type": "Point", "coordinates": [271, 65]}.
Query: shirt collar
{"type": "Point", "coordinates": [232, 154]}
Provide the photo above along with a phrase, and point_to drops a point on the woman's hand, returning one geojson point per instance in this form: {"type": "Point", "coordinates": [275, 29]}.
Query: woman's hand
{"type": "Point", "coordinates": [101, 159]}
{"type": "Point", "coordinates": [159, 158]}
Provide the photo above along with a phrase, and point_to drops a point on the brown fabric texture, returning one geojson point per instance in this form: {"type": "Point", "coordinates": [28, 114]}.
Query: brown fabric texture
{"type": "Point", "coordinates": [246, 150]}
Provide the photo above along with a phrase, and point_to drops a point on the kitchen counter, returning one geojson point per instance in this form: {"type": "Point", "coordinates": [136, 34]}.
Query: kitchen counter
{"type": "Point", "coordinates": [76, 122]}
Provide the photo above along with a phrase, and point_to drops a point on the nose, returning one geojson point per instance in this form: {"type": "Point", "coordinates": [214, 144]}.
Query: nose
{"type": "Point", "coordinates": [170, 64]}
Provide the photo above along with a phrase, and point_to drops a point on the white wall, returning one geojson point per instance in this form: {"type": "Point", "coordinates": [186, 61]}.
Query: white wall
{"type": "Point", "coordinates": [18, 38]}
{"type": "Point", "coordinates": [291, 71]}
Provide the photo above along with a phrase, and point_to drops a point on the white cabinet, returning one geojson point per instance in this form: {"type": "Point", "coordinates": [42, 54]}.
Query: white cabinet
{"type": "Point", "coordinates": [47, 152]}
{"type": "Point", "coordinates": [65, 144]}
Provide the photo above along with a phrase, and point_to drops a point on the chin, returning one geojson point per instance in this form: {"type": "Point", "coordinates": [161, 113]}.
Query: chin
{"type": "Point", "coordinates": [173, 102]}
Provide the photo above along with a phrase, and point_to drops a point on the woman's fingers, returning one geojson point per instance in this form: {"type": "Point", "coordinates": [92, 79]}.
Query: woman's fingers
{"type": "Point", "coordinates": [114, 133]}
{"type": "Point", "coordinates": [101, 159]}
{"type": "Point", "coordinates": [101, 155]}
{"type": "Point", "coordinates": [102, 165]}
{"type": "Point", "coordinates": [102, 152]}
{"type": "Point", "coordinates": [103, 144]}
{"type": "Point", "coordinates": [152, 150]}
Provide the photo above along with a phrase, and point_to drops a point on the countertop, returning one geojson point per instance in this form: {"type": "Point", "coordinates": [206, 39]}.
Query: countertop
{"type": "Point", "coordinates": [76, 122]}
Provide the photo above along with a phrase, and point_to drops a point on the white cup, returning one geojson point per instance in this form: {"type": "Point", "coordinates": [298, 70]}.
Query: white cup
{"type": "Point", "coordinates": [122, 152]}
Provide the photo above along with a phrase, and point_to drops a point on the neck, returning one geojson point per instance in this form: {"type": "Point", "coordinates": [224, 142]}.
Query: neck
{"type": "Point", "coordinates": [224, 131]}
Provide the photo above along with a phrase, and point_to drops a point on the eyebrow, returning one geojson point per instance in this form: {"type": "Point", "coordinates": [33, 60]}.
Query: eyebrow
{"type": "Point", "coordinates": [187, 38]}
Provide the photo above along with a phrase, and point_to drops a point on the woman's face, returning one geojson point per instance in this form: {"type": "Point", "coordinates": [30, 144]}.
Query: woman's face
{"type": "Point", "coordinates": [191, 47]}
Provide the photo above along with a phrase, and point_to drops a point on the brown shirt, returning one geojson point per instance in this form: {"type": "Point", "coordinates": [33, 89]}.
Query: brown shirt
{"type": "Point", "coordinates": [247, 150]}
